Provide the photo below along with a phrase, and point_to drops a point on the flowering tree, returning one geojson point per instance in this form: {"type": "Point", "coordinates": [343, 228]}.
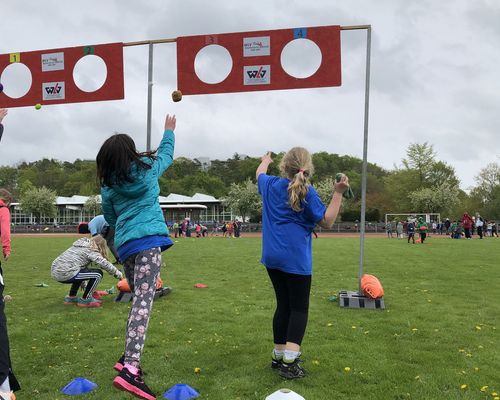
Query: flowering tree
{"type": "Point", "coordinates": [39, 202]}
{"type": "Point", "coordinates": [243, 198]}
{"type": "Point", "coordinates": [436, 199]}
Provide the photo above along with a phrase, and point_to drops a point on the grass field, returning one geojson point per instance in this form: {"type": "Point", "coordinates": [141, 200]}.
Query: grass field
{"type": "Point", "coordinates": [439, 331]}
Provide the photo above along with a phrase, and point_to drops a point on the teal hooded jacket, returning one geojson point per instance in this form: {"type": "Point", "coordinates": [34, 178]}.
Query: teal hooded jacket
{"type": "Point", "coordinates": [133, 208]}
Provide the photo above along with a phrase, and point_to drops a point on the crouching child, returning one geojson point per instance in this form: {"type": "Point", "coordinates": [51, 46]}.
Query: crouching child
{"type": "Point", "coordinates": [72, 267]}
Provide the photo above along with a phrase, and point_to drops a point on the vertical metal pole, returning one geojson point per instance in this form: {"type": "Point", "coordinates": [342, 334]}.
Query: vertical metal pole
{"type": "Point", "coordinates": [365, 156]}
{"type": "Point", "coordinates": [150, 97]}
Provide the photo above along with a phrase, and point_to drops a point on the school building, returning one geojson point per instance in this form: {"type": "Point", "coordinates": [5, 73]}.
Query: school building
{"type": "Point", "coordinates": [176, 207]}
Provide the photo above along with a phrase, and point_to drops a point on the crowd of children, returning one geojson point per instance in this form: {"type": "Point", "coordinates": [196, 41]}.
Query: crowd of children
{"type": "Point", "coordinates": [465, 227]}
{"type": "Point", "coordinates": [185, 228]}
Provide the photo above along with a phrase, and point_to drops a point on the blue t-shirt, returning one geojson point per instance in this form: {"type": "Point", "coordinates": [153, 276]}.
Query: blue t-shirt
{"type": "Point", "coordinates": [286, 234]}
{"type": "Point", "coordinates": [97, 225]}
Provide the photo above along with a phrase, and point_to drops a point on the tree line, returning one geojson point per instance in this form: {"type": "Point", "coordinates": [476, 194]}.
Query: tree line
{"type": "Point", "coordinates": [421, 183]}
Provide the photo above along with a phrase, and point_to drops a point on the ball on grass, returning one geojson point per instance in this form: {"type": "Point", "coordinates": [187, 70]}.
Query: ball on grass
{"type": "Point", "coordinates": [176, 96]}
{"type": "Point", "coordinates": [38, 106]}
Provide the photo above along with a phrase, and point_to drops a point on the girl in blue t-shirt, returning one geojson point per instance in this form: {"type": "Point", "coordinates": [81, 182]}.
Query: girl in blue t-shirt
{"type": "Point", "coordinates": [291, 208]}
{"type": "Point", "coordinates": [129, 191]}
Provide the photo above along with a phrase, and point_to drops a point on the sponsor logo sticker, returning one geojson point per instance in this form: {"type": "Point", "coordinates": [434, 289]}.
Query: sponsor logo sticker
{"type": "Point", "coordinates": [256, 46]}
{"type": "Point", "coordinates": [256, 74]}
{"type": "Point", "coordinates": [52, 62]}
{"type": "Point", "coordinates": [53, 90]}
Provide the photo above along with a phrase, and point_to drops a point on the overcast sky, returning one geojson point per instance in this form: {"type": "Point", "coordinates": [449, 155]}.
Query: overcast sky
{"type": "Point", "coordinates": [434, 78]}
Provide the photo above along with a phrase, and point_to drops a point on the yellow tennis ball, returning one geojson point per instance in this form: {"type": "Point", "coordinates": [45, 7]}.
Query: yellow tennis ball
{"type": "Point", "coordinates": [38, 106]}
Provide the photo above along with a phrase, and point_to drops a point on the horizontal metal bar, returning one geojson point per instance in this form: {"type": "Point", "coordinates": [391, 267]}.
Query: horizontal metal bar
{"type": "Point", "coordinates": [354, 27]}
{"type": "Point", "coordinates": [173, 40]}
{"type": "Point", "coordinates": [144, 42]}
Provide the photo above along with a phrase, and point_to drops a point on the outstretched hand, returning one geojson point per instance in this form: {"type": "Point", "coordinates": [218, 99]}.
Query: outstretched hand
{"type": "Point", "coordinates": [3, 113]}
{"type": "Point", "coordinates": [267, 158]}
{"type": "Point", "coordinates": [342, 185]}
{"type": "Point", "coordinates": [170, 123]}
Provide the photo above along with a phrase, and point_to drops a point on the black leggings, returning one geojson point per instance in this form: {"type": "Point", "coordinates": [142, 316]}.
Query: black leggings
{"type": "Point", "coordinates": [5, 365]}
{"type": "Point", "coordinates": [92, 275]}
{"type": "Point", "coordinates": [292, 305]}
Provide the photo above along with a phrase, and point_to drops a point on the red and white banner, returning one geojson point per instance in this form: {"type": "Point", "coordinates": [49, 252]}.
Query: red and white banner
{"type": "Point", "coordinates": [256, 60]}
{"type": "Point", "coordinates": [52, 79]}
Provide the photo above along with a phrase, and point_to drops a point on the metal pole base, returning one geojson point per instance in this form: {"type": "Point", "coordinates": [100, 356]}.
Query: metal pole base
{"type": "Point", "coordinates": [125, 297]}
{"type": "Point", "coordinates": [355, 300]}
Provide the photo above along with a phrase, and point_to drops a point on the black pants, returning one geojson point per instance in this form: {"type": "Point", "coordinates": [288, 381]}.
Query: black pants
{"type": "Point", "coordinates": [5, 364]}
{"type": "Point", "coordinates": [92, 275]}
{"type": "Point", "coordinates": [292, 306]}
{"type": "Point", "coordinates": [480, 232]}
{"type": "Point", "coordinates": [467, 233]}
{"type": "Point", "coordinates": [423, 235]}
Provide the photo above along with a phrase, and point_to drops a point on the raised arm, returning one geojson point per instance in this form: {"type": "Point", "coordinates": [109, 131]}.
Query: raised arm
{"type": "Point", "coordinates": [264, 165]}
{"type": "Point", "coordinates": [333, 208]}
{"type": "Point", "coordinates": [3, 113]}
{"type": "Point", "coordinates": [165, 152]}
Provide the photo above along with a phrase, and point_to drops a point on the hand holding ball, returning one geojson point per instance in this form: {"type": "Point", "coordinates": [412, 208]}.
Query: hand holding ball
{"type": "Point", "coordinates": [176, 96]}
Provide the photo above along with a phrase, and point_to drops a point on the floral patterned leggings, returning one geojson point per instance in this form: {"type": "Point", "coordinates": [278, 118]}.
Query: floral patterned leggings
{"type": "Point", "coordinates": [141, 272]}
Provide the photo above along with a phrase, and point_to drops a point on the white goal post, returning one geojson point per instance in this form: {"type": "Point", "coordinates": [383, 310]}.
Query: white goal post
{"type": "Point", "coordinates": [429, 217]}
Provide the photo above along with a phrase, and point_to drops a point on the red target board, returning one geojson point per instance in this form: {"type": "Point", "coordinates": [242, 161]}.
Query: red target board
{"type": "Point", "coordinates": [52, 75]}
{"type": "Point", "coordinates": [256, 60]}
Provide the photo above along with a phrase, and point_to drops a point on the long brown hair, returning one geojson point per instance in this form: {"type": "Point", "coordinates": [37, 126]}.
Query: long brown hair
{"type": "Point", "coordinates": [297, 166]}
{"type": "Point", "coordinates": [98, 243]}
{"type": "Point", "coordinates": [115, 157]}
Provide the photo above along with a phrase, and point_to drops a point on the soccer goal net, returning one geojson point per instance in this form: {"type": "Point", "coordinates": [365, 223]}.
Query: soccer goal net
{"type": "Point", "coordinates": [428, 217]}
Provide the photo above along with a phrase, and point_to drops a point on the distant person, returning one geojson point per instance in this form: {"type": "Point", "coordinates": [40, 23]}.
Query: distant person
{"type": "Point", "coordinates": [388, 229]}
{"type": "Point", "coordinates": [410, 231]}
{"type": "Point", "coordinates": [423, 229]}
{"type": "Point", "coordinates": [494, 229]}
{"type": "Point", "coordinates": [3, 113]}
{"type": "Point", "coordinates": [99, 226]}
{"type": "Point", "coordinates": [479, 226]}
{"type": "Point", "coordinates": [72, 267]}
{"type": "Point", "coordinates": [399, 230]}
{"type": "Point", "coordinates": [447, 225]}
{"type": "Point", "coordinates": [129, 191]}
{"type": "Point", "coordinates": [8, 381]}
{"type": "Point", "coordinates": [467, 225]}
{"type": "Point", "coordinates": [291, 210]}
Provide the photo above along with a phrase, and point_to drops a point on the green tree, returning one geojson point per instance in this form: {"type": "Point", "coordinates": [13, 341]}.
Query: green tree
{"type": "Point", "coordinates": [41, 202]}
{"type": "Point", "coordinates": [488, 180]}
{"type": "Point", "coordinates": [8, 179]}
{"type": "Point", "coordinates": [93, 206]}
{"type": "Point", "coordinates": [421, 158]}
{"type": "Point", "coordinates": [243, 198]}
{"type": "Point", "coordinates": [438, 199]}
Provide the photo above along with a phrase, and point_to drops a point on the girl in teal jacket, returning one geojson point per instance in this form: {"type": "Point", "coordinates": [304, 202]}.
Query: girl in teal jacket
{"type": "Point", "coordinates": [129, 192]}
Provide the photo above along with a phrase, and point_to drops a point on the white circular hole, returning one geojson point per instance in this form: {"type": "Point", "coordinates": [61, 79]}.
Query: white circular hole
{"type": "Point", "coordinates": [16, 80]}
{"type": "Point", "coordinates": [213, 63]}
{"type": "Point", "coordinates": [90, 73]}
{"type": "Point", "coordinates": [301, 58]}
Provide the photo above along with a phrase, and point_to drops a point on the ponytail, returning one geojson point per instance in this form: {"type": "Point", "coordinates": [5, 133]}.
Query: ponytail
{"type": "Point", "coordinates": [297, 190]}
{"type": "Point", "coordinates": [297, 166]}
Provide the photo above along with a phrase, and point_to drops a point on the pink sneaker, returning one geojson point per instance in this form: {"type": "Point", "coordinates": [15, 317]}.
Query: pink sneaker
{"type": "Point", "coordinates": [134, 384]}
